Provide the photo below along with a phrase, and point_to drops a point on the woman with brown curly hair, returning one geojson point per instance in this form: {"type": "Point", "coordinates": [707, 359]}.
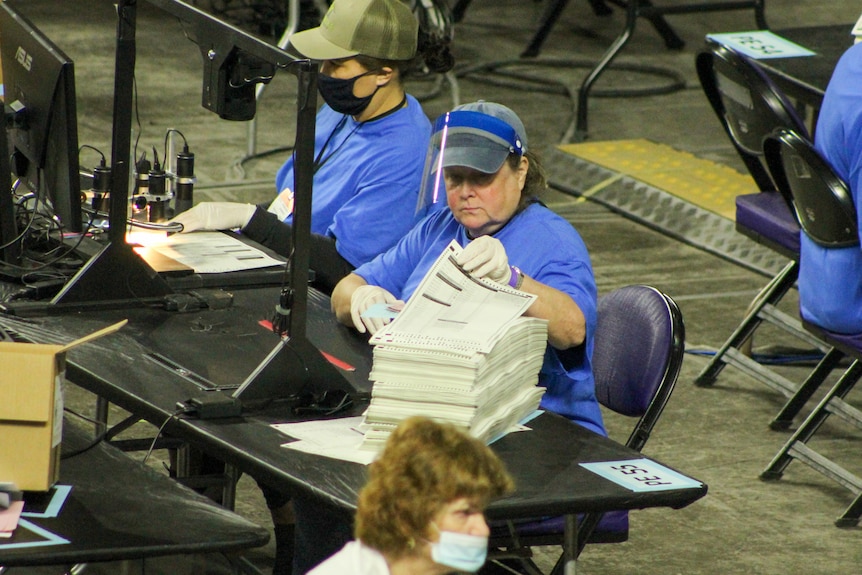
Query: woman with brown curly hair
{"type": "Point", "coordinates": [421, 511]}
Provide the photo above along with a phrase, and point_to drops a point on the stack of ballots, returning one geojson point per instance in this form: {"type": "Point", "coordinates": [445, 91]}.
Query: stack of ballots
{"type": "Point", "coordinates": [461, 352]}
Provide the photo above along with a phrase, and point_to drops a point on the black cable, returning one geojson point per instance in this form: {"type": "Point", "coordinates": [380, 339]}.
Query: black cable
{"type": "Point", "coordinates": [179, 411]}
{"type": "Point", "coordinates": [165, 226]}
{"type": "Point", "coordinates": [239, 165]}
{"type": "Point", "coordinates": [676, 80]}
{"type": "Point", "coordinates": [281, 316]}
{"type": "Point", "coordinates": [96, 440]}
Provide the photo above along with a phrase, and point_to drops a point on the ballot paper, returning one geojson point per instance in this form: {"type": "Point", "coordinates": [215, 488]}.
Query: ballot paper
{"type": "Point", "coordinates": [335, 438]}
{"type": "Point", "coordinates": [461, 352]}
{"type": "Point", "coordinates": [453, 311]}
{"type": "Point", "coordinates": [207, 252]}
{"type": "Point", "coordinates": [340, 438]}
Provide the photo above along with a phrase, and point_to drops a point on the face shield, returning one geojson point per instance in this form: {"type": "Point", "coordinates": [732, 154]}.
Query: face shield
{"type": "Point", "coordinates": [464, 138]}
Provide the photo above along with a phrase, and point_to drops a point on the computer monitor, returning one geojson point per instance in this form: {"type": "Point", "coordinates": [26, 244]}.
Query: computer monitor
{"type": "Point", "coordinates": [41, 116]}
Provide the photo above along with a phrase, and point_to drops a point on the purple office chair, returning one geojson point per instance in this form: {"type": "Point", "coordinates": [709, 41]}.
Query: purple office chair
{"type": "Point", "coordinates": [639, 348]}
{"type": "Point", "coordinates": [750, 107]}
{"type": "Point", "coordinates": [827, 215]}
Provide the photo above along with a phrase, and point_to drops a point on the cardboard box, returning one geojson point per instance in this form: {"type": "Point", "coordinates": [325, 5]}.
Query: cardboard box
{"type": "Point", "coordinates": [31, 410]}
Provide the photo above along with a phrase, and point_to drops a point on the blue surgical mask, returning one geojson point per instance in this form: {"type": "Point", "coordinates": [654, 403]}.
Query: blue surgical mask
{"type": "Point", "coordinates": [460, 551]}
{"type": "Point", "coordinates": [338, 93]}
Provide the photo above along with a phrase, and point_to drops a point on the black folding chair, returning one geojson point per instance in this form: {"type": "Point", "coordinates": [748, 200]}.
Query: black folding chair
{"type": "Point", "coordinates": [826, 212]}
{"type": "Point", "coordinates": [750, 107]}
{"type": "Point", "coordinates": [638, 352]}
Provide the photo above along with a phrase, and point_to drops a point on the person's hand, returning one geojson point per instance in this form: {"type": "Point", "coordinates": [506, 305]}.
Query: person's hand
{"type": "Point", "coordinates": [363, 298]}
{"type": "Point", "coordinates": [485, 257]}
{"type": "Point", "coordinates": [215, 216]}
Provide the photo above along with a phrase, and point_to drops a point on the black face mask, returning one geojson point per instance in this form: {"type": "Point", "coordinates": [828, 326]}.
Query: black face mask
{"type": "Point", "coordinates": [338, 93]}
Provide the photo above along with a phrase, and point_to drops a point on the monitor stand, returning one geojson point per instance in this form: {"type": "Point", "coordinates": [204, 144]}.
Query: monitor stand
{"type": "Point", "coordinates": [11, 253]}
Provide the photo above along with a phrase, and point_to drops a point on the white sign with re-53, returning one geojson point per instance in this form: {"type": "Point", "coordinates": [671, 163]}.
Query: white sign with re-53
{"type": "Point", "coordinates": [760, 44]}
{"type": "Point", "coordinates": [641, 475]}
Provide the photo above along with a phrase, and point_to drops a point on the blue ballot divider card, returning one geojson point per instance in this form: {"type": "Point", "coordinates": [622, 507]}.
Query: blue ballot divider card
{"type": "Point", "coordinates": [760, 44]}
{"type": "Point", "coordinates": [381, 310]}
{"type": "Point", "coordinates": [641, 475]}
{"type": "Point", "coordinates": [30, 534]}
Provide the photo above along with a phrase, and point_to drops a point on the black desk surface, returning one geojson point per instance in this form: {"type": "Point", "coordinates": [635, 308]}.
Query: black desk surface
{"type": "Point", "coordinates": [118, 509]}
{"type": "Point", "coordinates": [226, 345]}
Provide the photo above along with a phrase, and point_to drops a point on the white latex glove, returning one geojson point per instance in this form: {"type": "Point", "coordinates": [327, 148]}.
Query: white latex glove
{"type": "Point", "coordinates": [215, 216]}
{"type": "Point", "coordinates": [363, 298]}
{"type": "Point", "coordinates": [485, 257]}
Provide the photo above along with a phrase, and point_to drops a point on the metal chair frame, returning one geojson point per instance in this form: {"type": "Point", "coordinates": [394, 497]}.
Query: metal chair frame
{"type": "Point", "coordinates": [668, 353]}
{"type": "Point", "coordinates": [750, 107]}
{"type": "Point", "coordinates": [827, 215]}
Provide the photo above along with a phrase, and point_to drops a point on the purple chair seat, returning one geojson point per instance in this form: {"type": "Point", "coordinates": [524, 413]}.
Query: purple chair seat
{"type": "Point", "coordinates": [613, 527]}
{"type": "Point", "coordinates": [767, 217]}
{"type": "Point", "coordinates": [848, 343]}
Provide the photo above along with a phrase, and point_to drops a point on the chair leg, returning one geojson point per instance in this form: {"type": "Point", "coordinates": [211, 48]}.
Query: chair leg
{"type": "Point", "coordinates": [814, 380]}
{"type": "Point", "coordinates": [760, 14]}
{"type": "Point", "coordinates": [668, 34]}
{"type": "Point", "coordinates": [771, 294]}
{"type": "Point", "coordinates": [459, 9]}
{"type": "Point", "coordinates": [549, 18]}
{"type": "Point", "coordinates": [813, 422]}
{"type": "Point", "coordinates": [600, 8]}
{"type": "Point", "coordinates": [850, 517]}
{"type": "Point", "coordinates": [581, 125]}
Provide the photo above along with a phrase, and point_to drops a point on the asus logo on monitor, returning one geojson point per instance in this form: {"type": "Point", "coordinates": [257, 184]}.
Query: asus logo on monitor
{"type": "Point", "coordinates": [23, 58]}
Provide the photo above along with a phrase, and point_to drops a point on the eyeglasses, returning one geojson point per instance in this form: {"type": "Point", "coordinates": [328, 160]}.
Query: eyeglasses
{"type": "Point", "coordinates": [329, 402]}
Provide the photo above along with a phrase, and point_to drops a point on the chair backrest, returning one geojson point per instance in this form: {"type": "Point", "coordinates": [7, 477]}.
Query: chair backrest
{"type": "Point", "coordinates": [639, 348]}
{"type": "Point", "coordinates": [749, 105]}
{"type": "Point", "coordinates": [821, 199]}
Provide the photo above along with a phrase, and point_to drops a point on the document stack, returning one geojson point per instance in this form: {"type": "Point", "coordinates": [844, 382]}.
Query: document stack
{"type": "Point", "coordinates": [460, 352]}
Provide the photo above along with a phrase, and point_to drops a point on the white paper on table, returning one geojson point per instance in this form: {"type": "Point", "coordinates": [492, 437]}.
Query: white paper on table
{"type": "Point", "coordinates": [336, 438]}
{"type": "Point", "coordinates": [212, 252]}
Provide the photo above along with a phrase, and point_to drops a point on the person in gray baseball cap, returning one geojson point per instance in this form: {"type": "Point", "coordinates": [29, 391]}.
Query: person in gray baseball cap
{"type": "Point", "coordinates": [370, 141]}
{"type": "Point", "coordinates": [486, 180]}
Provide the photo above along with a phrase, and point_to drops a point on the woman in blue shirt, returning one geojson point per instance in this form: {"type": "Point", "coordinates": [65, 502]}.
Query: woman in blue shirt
{"type": "Point", "coordinates": [491, 180]}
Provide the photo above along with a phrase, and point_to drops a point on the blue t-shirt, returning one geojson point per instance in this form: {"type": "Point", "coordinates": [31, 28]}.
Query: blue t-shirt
{"type": "Point", "coordinates": [366, 186]}
{"type": "Point", "coordinates": [830, 279]}
{"type": "Point", "coordinates": [545, 247]}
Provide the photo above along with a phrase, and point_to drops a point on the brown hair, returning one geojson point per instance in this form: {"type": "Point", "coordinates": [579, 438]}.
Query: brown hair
{"type": "Point", "coordinates": [424, 466]}
{"type": "Point", "coordinates": [536, 181]}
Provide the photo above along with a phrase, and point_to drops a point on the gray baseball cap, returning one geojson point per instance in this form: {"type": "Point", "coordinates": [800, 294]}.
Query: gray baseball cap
{"type": "Point", "coordinates": [385, 29]}
{"type": "Point", "coordinates": [480, 135]}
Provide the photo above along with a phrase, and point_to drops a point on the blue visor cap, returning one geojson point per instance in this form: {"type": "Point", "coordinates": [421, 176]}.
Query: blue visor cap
{"type": "Point", "coordinates": [475, 140]}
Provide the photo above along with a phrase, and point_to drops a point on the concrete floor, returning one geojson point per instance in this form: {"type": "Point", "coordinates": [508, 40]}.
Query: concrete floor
{"type": "Point", "coordinates": [717, 434]}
